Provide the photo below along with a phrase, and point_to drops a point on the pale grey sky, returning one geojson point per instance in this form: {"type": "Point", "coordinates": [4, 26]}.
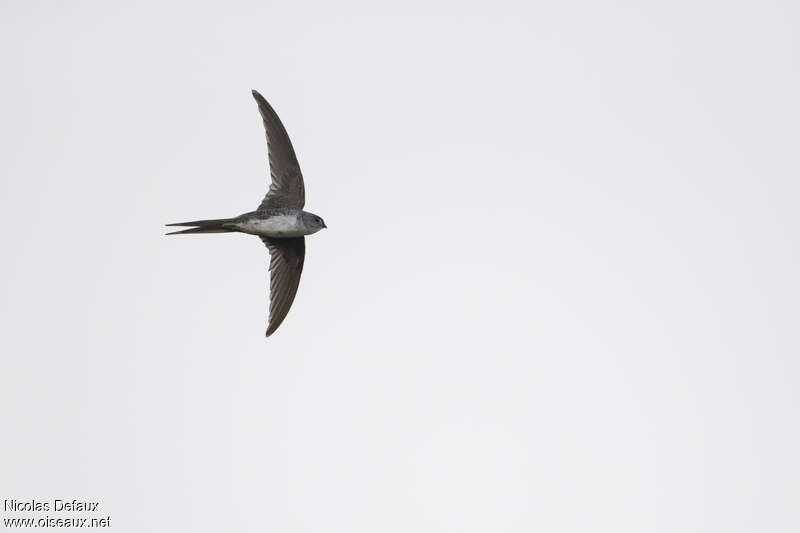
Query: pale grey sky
{"type": "Point", "coordinates": [559, 291]}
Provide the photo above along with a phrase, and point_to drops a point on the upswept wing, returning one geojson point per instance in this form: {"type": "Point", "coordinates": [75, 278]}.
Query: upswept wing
{"type": "Point", "coordinates": [286, 188]}
{"type": "Point", "coordinates": [285, 266]}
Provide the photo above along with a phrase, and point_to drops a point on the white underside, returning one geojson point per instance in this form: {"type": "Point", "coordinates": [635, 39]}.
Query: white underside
{"type": "Point", "coordinates": [277, 226]}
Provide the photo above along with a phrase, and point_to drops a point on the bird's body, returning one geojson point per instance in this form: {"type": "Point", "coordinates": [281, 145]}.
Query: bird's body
{"type": "Point", "coordinates": [279, 221]}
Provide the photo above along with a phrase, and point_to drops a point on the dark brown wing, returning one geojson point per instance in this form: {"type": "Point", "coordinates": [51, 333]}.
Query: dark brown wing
{"type": "Point", "coordinates": [286, 188]}
{"type": "Point", "coordinates": [285, 267]}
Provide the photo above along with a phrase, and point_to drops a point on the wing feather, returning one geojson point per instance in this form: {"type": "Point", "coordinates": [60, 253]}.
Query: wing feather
{"type": "Point", "coordinates": [285, 267]}
{"type": "Point", "coordinates": [286, 188]}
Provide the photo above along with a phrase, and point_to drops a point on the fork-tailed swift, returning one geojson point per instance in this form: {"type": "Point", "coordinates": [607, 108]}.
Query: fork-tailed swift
{"type": "Point", "coordinates": [279, 221]}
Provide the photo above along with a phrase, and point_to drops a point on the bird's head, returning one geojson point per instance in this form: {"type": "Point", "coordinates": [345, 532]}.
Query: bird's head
{"type": "Point", "coordinates": [313, 222]}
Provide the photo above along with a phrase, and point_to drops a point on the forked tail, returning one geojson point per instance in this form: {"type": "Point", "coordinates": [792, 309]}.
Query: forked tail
{"type": "Point", "coordinates": [204, 226]}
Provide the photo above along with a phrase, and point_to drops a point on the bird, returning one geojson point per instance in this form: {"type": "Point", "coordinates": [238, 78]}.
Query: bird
{"type": "Point", "coordinates": [279, 221]}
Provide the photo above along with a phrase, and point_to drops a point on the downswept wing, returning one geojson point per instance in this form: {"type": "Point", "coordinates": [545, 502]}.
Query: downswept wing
{"type": "Point", "coordinates": [286, 188]}
{"type": "Point", "coordinates": [285, 266]}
